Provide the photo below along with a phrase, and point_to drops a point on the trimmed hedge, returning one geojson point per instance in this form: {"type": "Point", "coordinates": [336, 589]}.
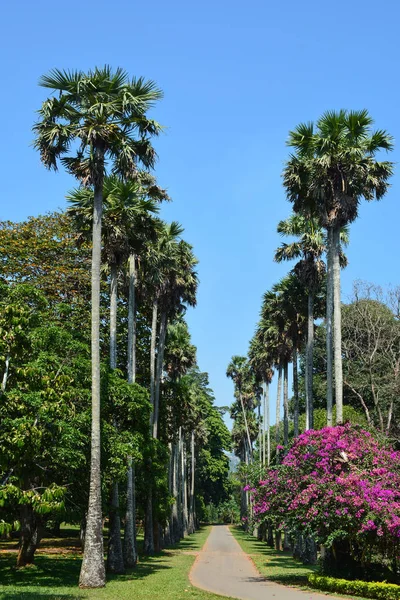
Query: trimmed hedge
{"type": "Point", "coordinates": [367, 589]}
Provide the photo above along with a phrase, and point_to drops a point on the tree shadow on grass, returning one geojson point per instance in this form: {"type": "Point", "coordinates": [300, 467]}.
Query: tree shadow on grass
{"type": "Point", "coordinates": [46, 572]}
{"type": "Point", "coordinates": [53, 572]}
{"type": "Point", "coordinates": [26, 595]}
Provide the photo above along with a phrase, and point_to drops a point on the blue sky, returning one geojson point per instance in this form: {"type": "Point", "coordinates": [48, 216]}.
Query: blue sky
{"type": "Point", "coordinates": [237, 77]}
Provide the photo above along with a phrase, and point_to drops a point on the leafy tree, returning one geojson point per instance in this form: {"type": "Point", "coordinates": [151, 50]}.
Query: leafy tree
{"type": "Point", "coordinates": [44, 423]}
{"type": "Point", "coordinates": [371, 346]}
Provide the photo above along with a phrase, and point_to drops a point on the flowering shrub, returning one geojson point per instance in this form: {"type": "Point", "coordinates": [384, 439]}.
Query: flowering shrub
{"type": "Point", "coordinates": [337, 483]}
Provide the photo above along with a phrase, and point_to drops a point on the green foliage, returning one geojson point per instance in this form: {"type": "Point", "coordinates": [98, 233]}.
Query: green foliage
{"type": "Point", "coordinates": [211, 514]}
{"type": "Point", "coordinates": [366, 589]}
{"type": "Point", "coordinates": [229, 511]}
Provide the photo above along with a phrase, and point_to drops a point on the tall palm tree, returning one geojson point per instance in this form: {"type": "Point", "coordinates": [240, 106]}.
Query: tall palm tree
{"type": "Point", "coordinates": [180, 357]}
{"type": "Point", "coordinates": [333, 168]}
{"type": "Point", "coordinates": [237, 371]}
{"type": "Point", "coordinates": [127, 223]}
{"type": "Point", "coordinates": [310, 270]}
{"type": "Point", "coordinates": [260, 362]}
{"type": "Point", "coordinates": [274, 325]}
{"type": "Point", "coordinates": [169, 265]}
{"type": "Point", "coordinates": [103, 114]}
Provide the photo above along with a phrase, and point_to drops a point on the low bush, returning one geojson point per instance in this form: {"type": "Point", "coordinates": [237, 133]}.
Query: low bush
{"type": "Point", "coordinates": [366, 589]}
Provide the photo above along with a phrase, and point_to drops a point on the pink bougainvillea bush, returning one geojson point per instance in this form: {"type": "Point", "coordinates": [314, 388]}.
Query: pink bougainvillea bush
{"type": "Point", "coordinates": [337, 483]}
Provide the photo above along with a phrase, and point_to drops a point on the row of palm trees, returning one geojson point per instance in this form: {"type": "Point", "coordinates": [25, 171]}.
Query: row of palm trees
{"type": "Point", "coordinates": [334, 164]}
{"type": "Point", "coordinates": [97, 126]}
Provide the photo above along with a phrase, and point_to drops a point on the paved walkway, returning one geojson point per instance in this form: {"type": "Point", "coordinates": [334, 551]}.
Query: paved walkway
{"type": "Point", "coordinates": [223, 568]}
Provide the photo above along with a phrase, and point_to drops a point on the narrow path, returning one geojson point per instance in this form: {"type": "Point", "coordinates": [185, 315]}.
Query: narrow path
{"type": "Point", "coordinates": [223, 568]}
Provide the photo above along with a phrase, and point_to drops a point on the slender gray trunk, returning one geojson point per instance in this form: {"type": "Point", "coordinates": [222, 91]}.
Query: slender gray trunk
{"type": "Point", "coordinates": [130, 552]}
{"type": "Point", "coordinates": [132, 320]}
{"type": "Point", "coordinates": [309, 359]}
{"type": "Point", "coordinates": [260, 435]}
{"type": "Point", "coordinates": [285, 405]}
{"type": "Point", "coordinates": [248, 507]}
{"type": "Point", "coordinates": [168, 534]}
{"type": "Point", "coordinates": [265, 384]}
{"type": "Point", "coordinates": [192, 525]}
{"type": "Point", "coordinates": [180, 484]}
{"type": "Point", "coordinates": [175, 525]}
{"type": "Point", "coordinates": [113, 315]}
{"type": "Point", "coordinates": [184, 488]}
{"type": "Point", "coordinates": [159, 368]}
{"type": "Point", "coordinates": [296, 393]}
{"type": "Point", "coordinates": [246, 425]}
{"type": "Point", "coordinates": [115, 558]}
{"type": "Point", "coordinates": [329, 336]}
{"type": "Point", "coordinates": [337, 326]}
{"type": "Point", "coordinates": [149, 526]}
{"type": "Point", "coordinates": [243, 494]}
{"type": "Point", "coordinates": [278, 405]}
{"type": "Point", "coordinates": [153, 361]}
{"type": "Point", "coordinates": [268, 424]}
{"type": "Point", "coordinates": [92, 573]}
{"type": "Point", "coordinates": [174, 487]}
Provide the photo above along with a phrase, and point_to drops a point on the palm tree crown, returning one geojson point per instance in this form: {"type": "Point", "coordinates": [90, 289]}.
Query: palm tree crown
{"type": "Point", "coordinates": [105, 112]}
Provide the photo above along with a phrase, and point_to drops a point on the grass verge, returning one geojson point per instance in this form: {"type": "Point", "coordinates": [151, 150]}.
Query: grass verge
{"type": "Point", "coordinates": [55, 577]}
{"type": "Point", "coordinates": [279, 567]}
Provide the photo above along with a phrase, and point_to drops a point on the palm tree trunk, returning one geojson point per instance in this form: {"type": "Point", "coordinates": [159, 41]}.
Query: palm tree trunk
{"type": "Point", "coordinates": [246, 425]}
{"type": "Point", "coordinates": [113, 315]}
{"type": "Point", "coordinates": [265, 384]}
{"type": "Point", "coordinates": [159, 368]}
{"type": "Point", "coordinates": [192, 525]}
{"type": "Point", "coordinates": [153, 361]}
{"type": "Point", "coordinates": [309, 359]}
{"type": "Point", "coordinates": [92, 573]}
{"type": "Point", "coordinates": [168, 526]}
{"type": "Point", "coordinates": [329, 337]}
{"type": "Point", "coordinates": [337, 326]}
{"type": "Point", "coordinates": [115, 559]}
{"type": "Point", "coordinates": [175, 524]}
{"type": "Point", "coordinates": [184, 488]}
{"type": "Point", "coordinates": [180, 484]}
{"type": "Point", "coordinates": [149, 526]}
{"type": "Point", "coordinates": [130, 552]}
{"type": "Point", "coordinates": [132, 320]}
{"type": "Point", "coordinates": [260, 434]}
{"type": "Point", "coordinates": [278, 405]}
{"type": "Point", "coordinates": [285, 405]}
{"type": "Point", "coordinates": [267, 422]}
{"type": "Point", "coordinates": [296, 393]}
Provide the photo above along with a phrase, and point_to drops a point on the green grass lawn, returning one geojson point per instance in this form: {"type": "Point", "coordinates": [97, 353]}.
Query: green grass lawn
{"type": "Point", "coordinates": [279, 567]}
{"type": "Point", "coordinates": [55, 577]}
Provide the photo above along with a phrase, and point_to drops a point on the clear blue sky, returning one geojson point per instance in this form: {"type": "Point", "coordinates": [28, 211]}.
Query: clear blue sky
{"type": "Point", "coordinates": [237, 77]}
